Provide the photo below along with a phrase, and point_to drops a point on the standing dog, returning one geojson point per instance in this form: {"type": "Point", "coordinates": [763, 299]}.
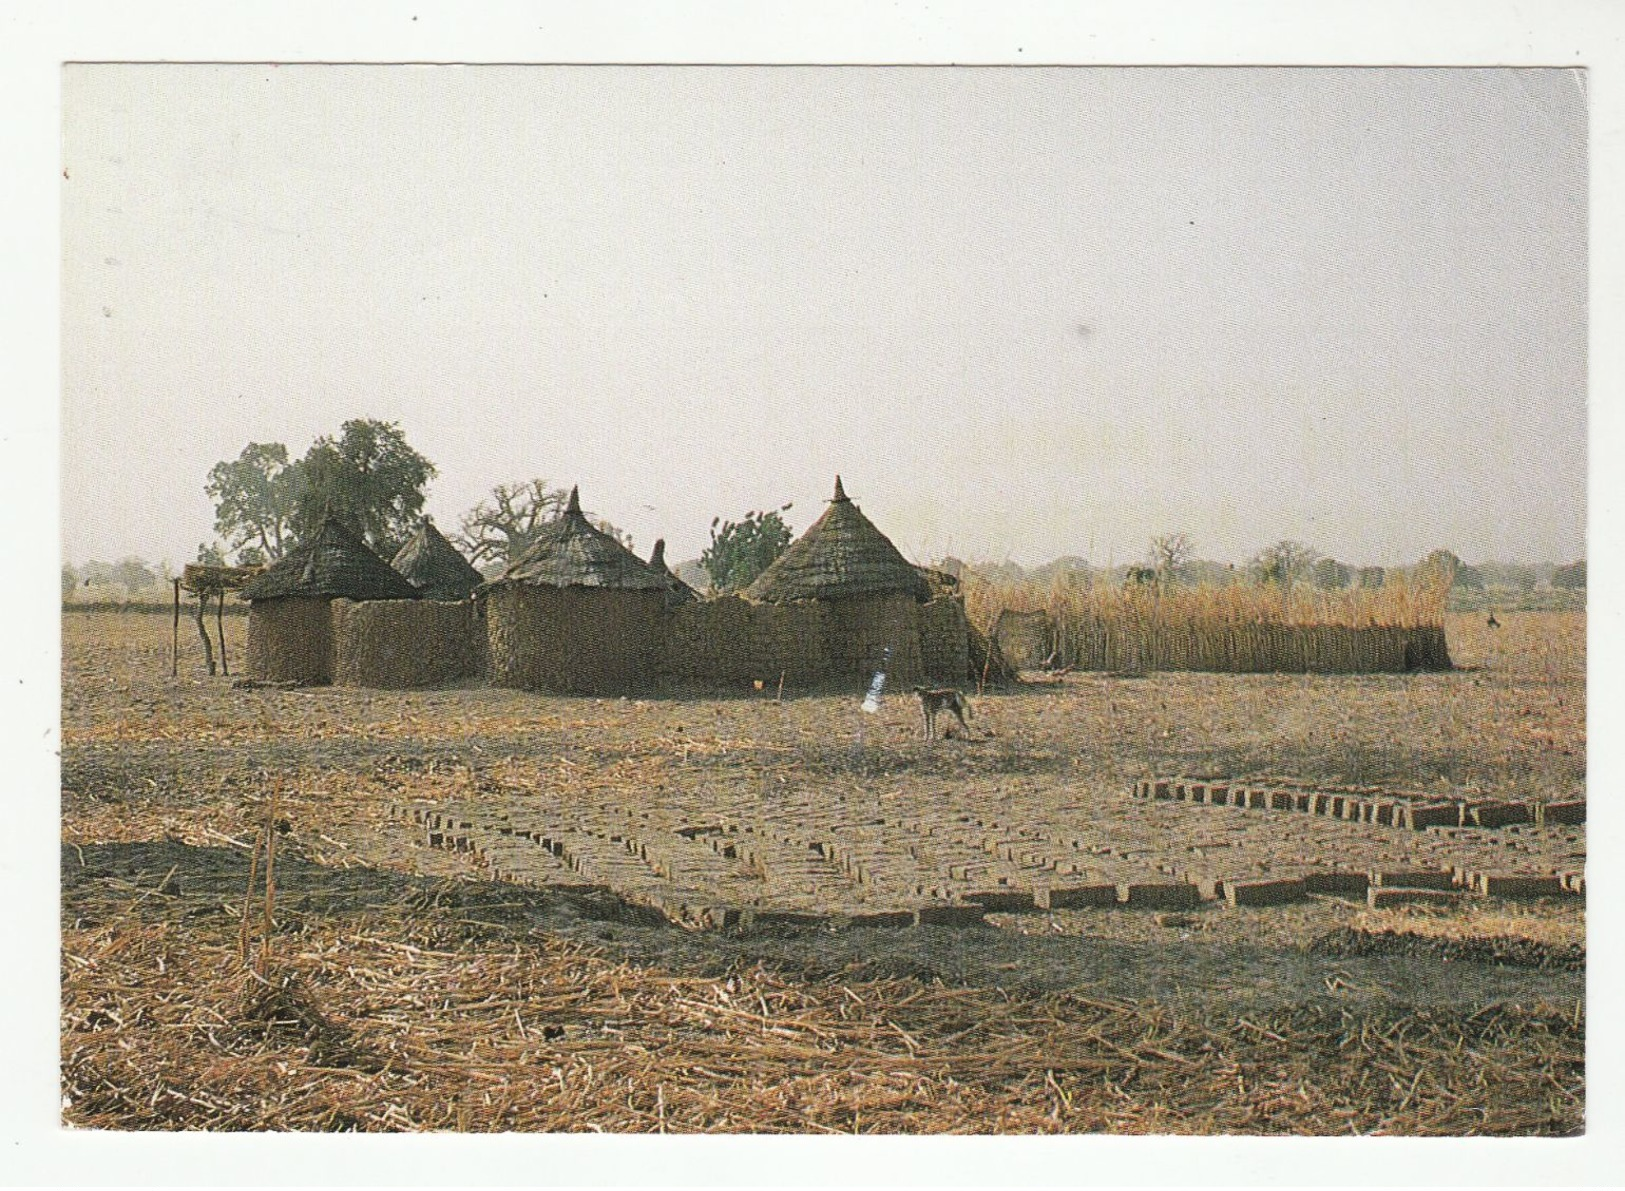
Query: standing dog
{"type": "Point", "coordinates": [941, 699]}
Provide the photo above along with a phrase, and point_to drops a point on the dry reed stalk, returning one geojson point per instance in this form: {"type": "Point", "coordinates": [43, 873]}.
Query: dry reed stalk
{"type": "Point", "coordinates": [267, 922]}
{"type": "Point", "coordinates": [248, 901]}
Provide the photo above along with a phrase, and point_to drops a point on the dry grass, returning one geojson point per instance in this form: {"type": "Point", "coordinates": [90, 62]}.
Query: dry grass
{"type": "Point", "coordinates": [397, 1025]}
{"type": "Point", "coordinates": [1553, 926]}
{"type": "Point", "coordinates": [1399, 603]}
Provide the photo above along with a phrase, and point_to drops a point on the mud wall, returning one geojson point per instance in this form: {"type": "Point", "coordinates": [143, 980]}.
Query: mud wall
{"type": "Point", "coordinates": [291, 640]}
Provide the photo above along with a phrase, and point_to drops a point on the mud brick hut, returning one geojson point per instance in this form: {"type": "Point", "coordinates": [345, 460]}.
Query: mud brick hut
{"type": "Point", "coordinates": [577, 613]}
{"type": "Point", "coordinates": [866, 595]}
{"type": "Point", "coordinates": [678, 593]}
{"type": "Point", "coordinates": [290, 616]}
{"type": "Point", "coordinates": [436, 639]}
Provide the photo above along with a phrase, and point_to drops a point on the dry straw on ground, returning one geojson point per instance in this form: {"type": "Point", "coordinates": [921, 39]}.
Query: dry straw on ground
{"type": "Point", "coordinates": [374, 1025]}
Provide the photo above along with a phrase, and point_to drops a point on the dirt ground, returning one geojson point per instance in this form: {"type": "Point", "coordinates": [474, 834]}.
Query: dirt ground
{"type": "Point", "coordinates": [166, 780]}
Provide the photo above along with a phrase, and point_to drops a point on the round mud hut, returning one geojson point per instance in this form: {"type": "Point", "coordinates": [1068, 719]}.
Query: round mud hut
{"type": "Point", "coordinates": [678, 593]}
{"type": "Point", "coordinates": [577, 613]}
{"type": "Point", "coordinates": [435, 567]}
{"type": "Point", "coordinates": [290, 620]}
{"type": "Point", "coordinates": [869, 593]}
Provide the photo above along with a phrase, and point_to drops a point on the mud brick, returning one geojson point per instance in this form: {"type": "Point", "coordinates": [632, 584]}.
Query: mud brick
{"type": "Point", "coordinates": [1337, 883]}
{"type": "Point", "coordinates": [757, 918]}
{"type": "Point", "coordinates": [1414, 879]}
{"type": "Point", "coordinates": [1431, 814]}
{"type": "Point", "coordinates": [1164, 790]}
{"type": "Point", "coordinates": [1377, 898]}
{"type": "Point", "coordinates": [1281, 800]}
{"type": "Point", "coordinates": [1002, 901]}
{"type": "Point", "coordinates": [1498, 814]}
{"type": "Point", "coordinates": [1575, 883]}
{"type": "Point", "coordinates": [716, 917]}
{"type": "Point", "coordinates": [1513, 885]}
{"type": "Point", "coordinates": [1158, 896]}
{"type": "Point", "coordinates": [1073, 897]}
{"type": "Point", "coordinates": [1142, 788]}
{"type": "Point", "coordinates": [1264, 893]}
{"type": "Point", "coordinates": [1353, 809]}
{"type": "Point", "coordinates": [872, 920]}
{"type": "Point", "coordinates": [949, 915]}
{"type": "Point", "coordinates": [1388, 814]}
{"type": "Point", "coordinates": [1302, 800]}
{"type": "Point", "coordinates": [1565, 812]}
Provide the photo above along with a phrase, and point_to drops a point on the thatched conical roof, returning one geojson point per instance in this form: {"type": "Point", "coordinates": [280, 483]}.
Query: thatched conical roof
{"type": "Point", "coordinates": [569, 552]}
{"type": "Point", "coordinates": [842, 555]}
{"type": "Point", "coordinates": [678, 592]}
{"type": "Point", "coordinates": [335, 563]}
{"type": "Point", "coordinates": [435, 567]}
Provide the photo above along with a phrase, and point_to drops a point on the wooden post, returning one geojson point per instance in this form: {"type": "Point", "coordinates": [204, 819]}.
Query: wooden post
{"type": "Point", "coordinates": [175, 636]}
{"type": "Point", "coordinates": [220, 628]}
{"type": "Point", "coordinates": [203, 630]}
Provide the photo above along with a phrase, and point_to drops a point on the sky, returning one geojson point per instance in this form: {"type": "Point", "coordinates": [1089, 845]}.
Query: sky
{"type": "Point", "coordinates": [1024, 312]}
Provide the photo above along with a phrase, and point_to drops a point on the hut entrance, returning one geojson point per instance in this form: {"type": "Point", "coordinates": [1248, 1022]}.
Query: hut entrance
{"type": "Point", "coordinates": [204, 582]}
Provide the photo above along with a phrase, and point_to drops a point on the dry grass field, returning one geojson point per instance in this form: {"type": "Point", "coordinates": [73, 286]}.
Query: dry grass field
{"type": "Point", "coordinates": [399, 986]}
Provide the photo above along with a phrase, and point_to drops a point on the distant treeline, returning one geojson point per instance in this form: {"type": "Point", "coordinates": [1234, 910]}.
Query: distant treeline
{"type": "Point", "coordinates": [1327, 574]}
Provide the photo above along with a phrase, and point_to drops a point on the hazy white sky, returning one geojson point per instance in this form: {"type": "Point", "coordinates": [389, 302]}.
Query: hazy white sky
{"type": "Point", "coordinates": [1024, 313]}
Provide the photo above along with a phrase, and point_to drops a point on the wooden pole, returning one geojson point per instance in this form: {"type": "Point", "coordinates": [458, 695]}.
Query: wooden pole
{"type": "Point", "coordinates": [203, 629]}
{"type": "Point", "coordinates": [220, 628]}
{"type": "Point", "coordinates": [175, 636]}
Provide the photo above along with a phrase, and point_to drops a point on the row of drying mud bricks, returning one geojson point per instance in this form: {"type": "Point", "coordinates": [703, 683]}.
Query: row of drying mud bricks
{"type": "Point", "coordinates": [459, 831]}
{"type": "Point", "coordinates": [1363, 806]}
{"type": "Point", "coordinates": [1385, 810]}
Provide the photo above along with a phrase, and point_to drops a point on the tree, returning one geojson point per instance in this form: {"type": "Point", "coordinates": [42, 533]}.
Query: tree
{"type": "Point", "coordinates": [1171, 554]}
{"type": "Point", "coordinates": [1441, 565]}
{"type": "Point", "coordinates": [368, 477]}
{"type": "Point", "coordinates": [70, 580]}
{"type": "Point", "coordinates": [253, 497]}
{"type": "Point", "coordinates": [501, 528]}
{"type": "Point", "coordinates": [1331, 575]}
{"type": "Point", "coordinates": [497, 531]}
{"type": "Point", "coordinates": [133, 575]}
{"type": "Point", "coordinates": [1371, 576]}
{"type": "Point", "coordinates": [1571, 577]}
{"type": "Point", "coordinates": [210, 554]}
{"type": "Point", "coordinates": [605, 527]}
{"type": "Point", "coordinates": [1285, 563]}
{"type": "Point", "coordinates": [741, 550]}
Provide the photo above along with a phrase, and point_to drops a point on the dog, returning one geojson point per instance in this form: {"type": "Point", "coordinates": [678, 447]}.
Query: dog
{"type": "Point", "coordinates": [941, 699]}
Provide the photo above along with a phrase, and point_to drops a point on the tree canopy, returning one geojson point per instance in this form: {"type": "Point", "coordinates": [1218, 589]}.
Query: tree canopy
{"type": "Point", "coordinates": [1170, 555]}
{"type": "Point", "coordinates": [253, 497]}
{"type": "Point", "coordinates": [741, 550]}
{"type": "Point", "coordinates": [1285, 563]}
{"type": "Point", "coordinates": [502, 527]}
{"type": "Point", "coordinates": [499, 529]}
{"type": "Point", "coordinates": [369, 477]}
